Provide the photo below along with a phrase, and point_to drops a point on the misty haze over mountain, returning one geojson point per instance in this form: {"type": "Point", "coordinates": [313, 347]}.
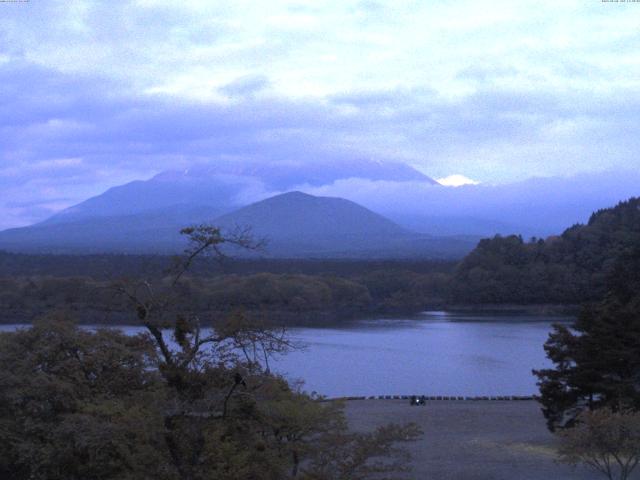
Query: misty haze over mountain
{"type": "Point", "coordinates": [147, 215]}
{"type": "Point", "coordinates": [231, 184]}
{"type": "Point", "coordinates": [535, 207]}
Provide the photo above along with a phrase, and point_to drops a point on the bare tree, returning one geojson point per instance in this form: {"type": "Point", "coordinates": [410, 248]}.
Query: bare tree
{"type": "Point", "coordinates": [154, 307]}
{"type": "Point", "coordinates": [607, 441]}
{"type": "Point", "coordinates": [204, 368]}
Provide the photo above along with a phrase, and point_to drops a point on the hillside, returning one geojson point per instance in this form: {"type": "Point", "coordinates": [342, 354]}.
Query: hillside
{"type": "Point", "coordinates": [294, 224]}
{"type": "Point", "coordinates": [570, 268]}
{"type": "Point", "coordinates": [155, 231]}
{"type": "Point", "coordinates": [227, 185]}
{"type": "Point", "coordinates": [302, 223]}
{"type": "Point", "coordinates": [298, 225]}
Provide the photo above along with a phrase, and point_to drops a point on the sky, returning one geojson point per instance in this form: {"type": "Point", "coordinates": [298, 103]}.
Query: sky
{"type": "Point", "coordinates": [98, 93]}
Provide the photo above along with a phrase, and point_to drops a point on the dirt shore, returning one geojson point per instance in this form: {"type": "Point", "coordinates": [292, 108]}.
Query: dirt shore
{"type": "Point", "coordinates": [482, 440]}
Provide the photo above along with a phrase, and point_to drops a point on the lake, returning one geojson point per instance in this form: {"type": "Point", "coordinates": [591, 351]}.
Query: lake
{"type": "Point", "coordinates": [436, 353]}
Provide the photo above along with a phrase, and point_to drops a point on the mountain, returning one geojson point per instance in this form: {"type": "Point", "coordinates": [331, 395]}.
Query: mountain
{"type": "Point", "coordinates": [227, 185]}
{"type": "Point", "coordinates": [279, 176]}
{"type": "Point", "coordinates": [294, 224]}
{"type": "Point", "coordinates": [298, 224]}
{"type": "Point", "coordinates": [145, 197]}
{"type": "Point", "coordinates": [154, 231]}
{"type": "Point", "coordinates": [534, 207]}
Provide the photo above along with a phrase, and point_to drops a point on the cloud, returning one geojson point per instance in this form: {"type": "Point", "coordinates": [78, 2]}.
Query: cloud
{"type": "Point", "coordinates": [499, 93]}
{"type": "Point", "coordinates": [246, 85]}
{"type": "Point", "coordinates": [537, 206]}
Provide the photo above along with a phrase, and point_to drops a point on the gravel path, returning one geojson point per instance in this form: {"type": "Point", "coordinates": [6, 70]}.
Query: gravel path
{"type": "Point", "coordinates": [480, 440]}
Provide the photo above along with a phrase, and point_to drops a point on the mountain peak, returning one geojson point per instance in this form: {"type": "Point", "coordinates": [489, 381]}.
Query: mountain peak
{"type": "Point", "coordinates": [223, 184]}
{"type": "Point", "coordinates": [294, 195]}
{"type": "Point", "coordinates": [296, 223]}
{"type": "Point", "coordinates": [284, 175]}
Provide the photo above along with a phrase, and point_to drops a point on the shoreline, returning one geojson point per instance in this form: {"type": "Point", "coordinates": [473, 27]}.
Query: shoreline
{"type": "Point", "coordinates": [436, 398]}
{"type": "Point", "coordinates": [523, 309]}
{"type": "Point", "coordinates": [315, 319]}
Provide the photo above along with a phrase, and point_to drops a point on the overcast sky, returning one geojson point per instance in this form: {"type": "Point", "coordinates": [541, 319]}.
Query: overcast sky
{"type": "Point", "coordinates": [94, 94]}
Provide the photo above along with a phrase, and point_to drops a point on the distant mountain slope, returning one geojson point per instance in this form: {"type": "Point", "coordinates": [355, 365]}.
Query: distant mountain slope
{"type": "Point", "coordinates": [216, 192]}
{"type": "Point", "coordinates": [226, 185]}
{"type": "Point", "coordinates": [536, 206]}
{"type": "Point", "coordinates": [154, 231]}
{"type": "Point", "coordinates": [295, 225]}
{"type": "Point", "coordinates": [318, 220]}
{"type": "Point", "coordinates": [286, 175]}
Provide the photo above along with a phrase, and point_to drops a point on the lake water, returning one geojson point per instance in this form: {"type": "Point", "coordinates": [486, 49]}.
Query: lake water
{"type": "Point", "coordinates": [437, 353]}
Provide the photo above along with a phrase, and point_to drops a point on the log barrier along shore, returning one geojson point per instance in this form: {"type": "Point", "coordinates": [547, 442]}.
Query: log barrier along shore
{"type": "Point", "coordinates": [435, 398]}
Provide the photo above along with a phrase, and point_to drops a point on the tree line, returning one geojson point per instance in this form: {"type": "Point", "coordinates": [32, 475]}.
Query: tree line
{"type": "Point", "coordinates": [571, 268]}
{"type": "Point", "coordinates": [568, 269]}
{"type": "Point", "coordinates": [285, 298]}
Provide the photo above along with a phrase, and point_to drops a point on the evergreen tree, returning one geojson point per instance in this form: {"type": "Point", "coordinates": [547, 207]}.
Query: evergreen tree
{"type": "Point", "coordinates": [597, 359]}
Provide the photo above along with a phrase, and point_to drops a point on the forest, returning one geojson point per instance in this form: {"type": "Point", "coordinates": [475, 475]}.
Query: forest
{"type": "Point", "coordinates": [569, 269]}
{"type": "Point", "coordinates": [282, 298]}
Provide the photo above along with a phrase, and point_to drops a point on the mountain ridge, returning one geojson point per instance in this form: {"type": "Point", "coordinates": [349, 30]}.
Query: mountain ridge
{"type": "Point", "coordinates": [296, 225]}
{"type": "Point", "coordinates": [228, 185]}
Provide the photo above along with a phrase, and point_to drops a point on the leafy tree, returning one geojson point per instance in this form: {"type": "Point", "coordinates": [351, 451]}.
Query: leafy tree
{"type": "Point", "coordinates": [362, 456]}
{"type": "Point", "coordinates": [606, 441]}
{"type": "Point", "coordinates": [597, 359]}
{"type": "Point", "coordinates": [76, 404]}
{"type": "Point", "coordinates": [179, 402]}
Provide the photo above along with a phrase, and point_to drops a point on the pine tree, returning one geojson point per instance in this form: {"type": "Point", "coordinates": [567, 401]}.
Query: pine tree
{"type": "Point", "coordinates": [597, 359]}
